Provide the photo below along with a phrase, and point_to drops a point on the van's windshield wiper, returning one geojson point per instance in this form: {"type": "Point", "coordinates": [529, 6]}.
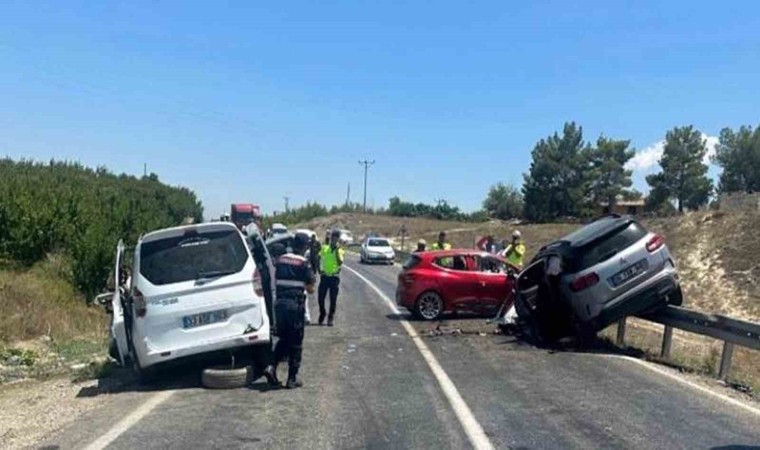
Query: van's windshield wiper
{"type": "Point", "coordinates": [213, 273]}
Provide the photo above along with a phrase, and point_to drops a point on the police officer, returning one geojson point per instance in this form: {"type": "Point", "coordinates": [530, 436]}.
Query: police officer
{"type": "Point", "coordinates": [330, 259]}
{"type": "Point", "coordinates": [294, 278]}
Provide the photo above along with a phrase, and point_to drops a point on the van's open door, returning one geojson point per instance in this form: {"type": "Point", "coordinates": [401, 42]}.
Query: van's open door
{"type": "Point", "coordinates": [118, 330]}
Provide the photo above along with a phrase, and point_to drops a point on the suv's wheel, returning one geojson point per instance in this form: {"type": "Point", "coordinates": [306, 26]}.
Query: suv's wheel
{"type": "Point", "coordinates": [429, 306]}
{"type": "Point", "coordinates": [225, 377]}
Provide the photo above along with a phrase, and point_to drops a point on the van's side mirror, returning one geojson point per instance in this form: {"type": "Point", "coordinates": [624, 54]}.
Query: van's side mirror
{"type": "Point", "coordinates": [104, 298]}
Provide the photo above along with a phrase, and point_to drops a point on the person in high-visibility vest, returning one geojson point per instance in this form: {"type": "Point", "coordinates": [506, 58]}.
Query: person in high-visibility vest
{"type": "Point", "coordinates": [441, 244]}
{"type": "Point", "coordinates": [330, 261]}
{"type": "Point", "coordinates": [515, 251]}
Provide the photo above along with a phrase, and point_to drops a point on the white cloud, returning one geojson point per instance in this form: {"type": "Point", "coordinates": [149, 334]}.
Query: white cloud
{"type": "Point", "coordinates": [650, 156]}
{"type": "Point", "coordinates": [647, 158]}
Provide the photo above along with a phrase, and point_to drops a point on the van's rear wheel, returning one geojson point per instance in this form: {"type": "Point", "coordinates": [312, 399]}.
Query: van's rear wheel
{"type": "Point", "coordinates": [429, 306]}
{"type": "Point", "coordinates": [224, 377]}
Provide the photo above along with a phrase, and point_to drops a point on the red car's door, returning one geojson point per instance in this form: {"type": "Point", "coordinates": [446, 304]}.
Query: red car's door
{"type": "Point", "coordinates": [495, 285]}
{"type": "Point", "coordinates": [458, 284]}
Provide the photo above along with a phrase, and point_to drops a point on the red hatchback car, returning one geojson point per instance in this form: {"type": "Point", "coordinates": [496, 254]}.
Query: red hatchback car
{"type": "Point", "coordinates": [437, 282]}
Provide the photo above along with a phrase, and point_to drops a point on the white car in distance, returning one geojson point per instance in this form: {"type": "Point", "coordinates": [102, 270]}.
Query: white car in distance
{"type": "Point", "coordinates": [377, 249]}
{"type": "Point", "coordinates": [194, 290]}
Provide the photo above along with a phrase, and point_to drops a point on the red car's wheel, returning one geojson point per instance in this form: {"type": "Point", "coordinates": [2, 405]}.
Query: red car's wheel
{"type": "Point", "coordinates": [429, 306]}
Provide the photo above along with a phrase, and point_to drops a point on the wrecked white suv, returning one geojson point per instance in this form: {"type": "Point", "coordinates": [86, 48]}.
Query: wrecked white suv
{"type": "Point", "coordinates": [193, 290]}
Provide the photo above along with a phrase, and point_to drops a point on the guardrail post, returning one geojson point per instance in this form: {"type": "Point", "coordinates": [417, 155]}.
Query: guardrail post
{"type": "Point", "coordinates": [667, 342]}
{"type": "Point", "coordinates": [725, 360]}
{"type": "Point", "coordinates": [621, 332]}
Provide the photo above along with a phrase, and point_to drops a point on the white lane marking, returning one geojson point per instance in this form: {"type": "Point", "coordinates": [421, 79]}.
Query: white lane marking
{"type": "Point", "coordinates": [472, 428]}
{"type": "Point", "coordinates": [130, 420]}
{"type": "Point", "coordinates": [681, 380]}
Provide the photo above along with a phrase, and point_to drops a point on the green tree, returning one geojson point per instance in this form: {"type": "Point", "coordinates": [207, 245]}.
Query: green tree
{"type": "Point", "coordinates": [738, 153]}
{"type": "Point", "coordinates": [557, 183]}
{"type": "Point", "coordinates": [684, 176]}
{"type": "Point", "coordinates": [609, 177]}
{"type": "Point", "coordinates": [503, 202]}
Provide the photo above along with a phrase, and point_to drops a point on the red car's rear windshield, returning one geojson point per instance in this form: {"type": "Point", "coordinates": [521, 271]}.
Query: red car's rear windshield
{"type": "Point", "coordinates": [411, 262]}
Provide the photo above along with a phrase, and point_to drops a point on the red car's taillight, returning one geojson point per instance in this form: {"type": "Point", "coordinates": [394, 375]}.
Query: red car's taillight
{"type": "Point", "coordinates": [141, 306]}
{"type": "Point", "coordinates": [258, 288]}
{"type": "Point", "coordinates": [655, 243]}
{"type": "Point", "coordinates": [584, 282]}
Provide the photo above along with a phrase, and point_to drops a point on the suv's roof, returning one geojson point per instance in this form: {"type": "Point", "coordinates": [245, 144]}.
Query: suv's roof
{"type": "Point", "coordinates": [176, 231]}
{"type": "Point", "coordinates": [594, 230]}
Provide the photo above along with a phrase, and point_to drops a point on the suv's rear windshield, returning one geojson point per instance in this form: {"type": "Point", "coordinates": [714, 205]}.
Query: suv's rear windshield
{"type": "Point", "coordinates": [378, 243]}
{"type": "Point", "coordinates": [607, 247]}
{"type": "Point", "coordinates": [189, 257]}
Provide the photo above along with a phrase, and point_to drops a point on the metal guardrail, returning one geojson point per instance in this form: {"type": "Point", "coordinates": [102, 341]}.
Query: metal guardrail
{"type": "Point", "coordinates": [730, 331]}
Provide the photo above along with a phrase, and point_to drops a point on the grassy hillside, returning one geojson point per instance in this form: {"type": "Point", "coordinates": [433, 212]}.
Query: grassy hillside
{"type": "Point", "coordinates": [67, 208]}
{"type": "Point", "coordinates": [717, 253]}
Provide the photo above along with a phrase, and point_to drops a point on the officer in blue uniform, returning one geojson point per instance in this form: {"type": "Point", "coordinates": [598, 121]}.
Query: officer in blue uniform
{"type": "Point", "coordinates": [294, 277]}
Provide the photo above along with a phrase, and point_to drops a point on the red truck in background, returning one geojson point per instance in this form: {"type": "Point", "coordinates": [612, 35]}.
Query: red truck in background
{"type": "Point", "coordinates": [242, 214]}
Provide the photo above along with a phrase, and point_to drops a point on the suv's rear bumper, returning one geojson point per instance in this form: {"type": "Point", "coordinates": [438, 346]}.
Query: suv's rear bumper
{"type": "Point", "coordinates": [149, 357]}
{"type": "Point", "coordinates": [651, 294]}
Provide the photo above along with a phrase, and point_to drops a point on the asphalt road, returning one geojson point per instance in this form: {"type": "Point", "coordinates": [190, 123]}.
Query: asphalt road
{"type": "Point", "coordinates": [368, 385]}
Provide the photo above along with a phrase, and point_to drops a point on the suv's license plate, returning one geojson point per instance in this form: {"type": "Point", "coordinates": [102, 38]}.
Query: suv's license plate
{"type": "Point", "coordinates": [198, 320]}
{"type": "Point", "coordinates": [628, 273]}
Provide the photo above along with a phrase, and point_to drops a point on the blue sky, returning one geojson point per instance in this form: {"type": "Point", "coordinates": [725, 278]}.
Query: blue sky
{"type": "Point", "coordinates": [252, 101]}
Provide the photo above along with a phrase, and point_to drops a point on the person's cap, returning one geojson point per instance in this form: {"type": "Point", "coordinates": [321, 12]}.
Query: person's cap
{"type": "Point", "coordinates": [301, 240]}
{"type": "Point", "coordinates": [278, 249]}
{"type": "Point", "coordinates": [422, 242]}
{"type": "Point", "coordinates": [516, 234]}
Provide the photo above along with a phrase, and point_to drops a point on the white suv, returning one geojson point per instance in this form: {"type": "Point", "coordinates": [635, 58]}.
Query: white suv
{"type": "Point", "coordinates": [194, 289]}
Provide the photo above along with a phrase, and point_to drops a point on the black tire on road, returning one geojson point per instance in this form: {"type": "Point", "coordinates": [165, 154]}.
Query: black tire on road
{"type": "Point", "coordinates": [226, 378]}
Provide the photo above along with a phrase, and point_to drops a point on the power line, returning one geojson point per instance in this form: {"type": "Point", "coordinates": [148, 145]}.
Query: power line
{"type": "Point", "coordinates": [367, 164]}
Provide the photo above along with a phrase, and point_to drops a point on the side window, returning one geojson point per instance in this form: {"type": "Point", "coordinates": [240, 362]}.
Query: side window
{"type": "Point", "coordinates": [491, 265]}
{"type": "Point", "coordinates": [457, 262]}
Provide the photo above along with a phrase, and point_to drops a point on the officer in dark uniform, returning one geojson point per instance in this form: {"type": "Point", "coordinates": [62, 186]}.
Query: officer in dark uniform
{"type": "Point", "coordinates": [294, 278]}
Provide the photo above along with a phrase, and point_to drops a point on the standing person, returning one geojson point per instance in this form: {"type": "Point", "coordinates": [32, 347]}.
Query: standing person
{"type": "Point", "coordinates": [331, 260]}
{"type": "Point", "coordinates": [421, 244]}
{"type": "Point", "coordinates": [294, 279]}
{"type": "Point", "coordinates": [313, 256]}
{"type": "Point", "coordinates": [515, 251]}
{"type": "Point", "coordinates": [487, 244]}
{"type": "Point", "coordinates": [441, 244]}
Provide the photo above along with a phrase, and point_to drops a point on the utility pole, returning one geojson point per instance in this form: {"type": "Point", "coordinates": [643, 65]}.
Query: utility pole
{"type": "Point", "coordinates": [287, 199]}
{"type": "Point", "coordinates": [348, 194]}
{"type": "Point", "coordinates": [145, 170]}
{"type": "Point", "coordinates": [367, 164]}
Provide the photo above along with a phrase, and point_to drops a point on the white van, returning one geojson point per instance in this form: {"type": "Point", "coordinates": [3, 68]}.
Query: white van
{"type": "Point", "coordinates": [194, 289]}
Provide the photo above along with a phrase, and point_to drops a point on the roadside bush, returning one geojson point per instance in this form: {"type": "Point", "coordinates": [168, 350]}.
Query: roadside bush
{"type": "Point", "coordinates": [62, 207]}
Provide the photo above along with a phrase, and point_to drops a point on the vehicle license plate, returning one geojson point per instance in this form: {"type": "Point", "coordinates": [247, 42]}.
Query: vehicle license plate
{"type": "Point", "coordinates": [198, 320]}
{"type": "Point", "coordinates": [628, 273]}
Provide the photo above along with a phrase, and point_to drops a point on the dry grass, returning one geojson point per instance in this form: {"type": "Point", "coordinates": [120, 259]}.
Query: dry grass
{"type": "Point", "coordinates": [41, 302]}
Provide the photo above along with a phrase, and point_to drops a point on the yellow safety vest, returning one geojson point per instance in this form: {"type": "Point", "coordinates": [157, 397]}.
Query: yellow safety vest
{"type": "Point", "coordinates": [515, 258]}
{"type": "Point", "coordinates": [329, 260]}
{"type": "Point", "coordinates": [437, 246]}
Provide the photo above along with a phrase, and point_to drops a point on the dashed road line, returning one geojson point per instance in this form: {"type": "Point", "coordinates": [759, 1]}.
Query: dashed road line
{"type": "Point", "coordinates": [472, 428]}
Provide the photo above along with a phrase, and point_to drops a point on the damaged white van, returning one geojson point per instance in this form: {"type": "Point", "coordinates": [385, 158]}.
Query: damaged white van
{"type": "Point", "coordinates": [193, 290]}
